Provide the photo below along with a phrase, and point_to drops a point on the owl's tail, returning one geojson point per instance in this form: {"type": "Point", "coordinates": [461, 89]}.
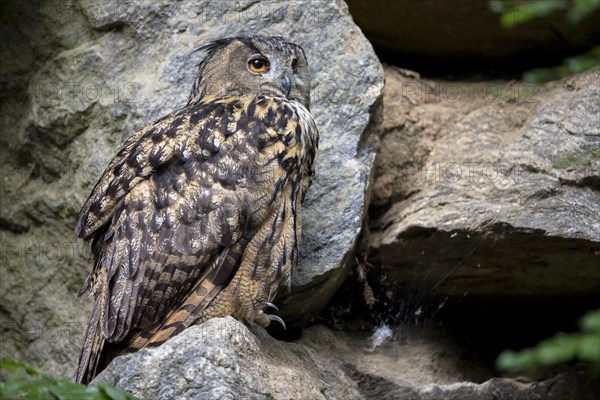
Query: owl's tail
{"type": "Point", "coordinates": [187, 314]}
{"type": "Point", "coordinates": [93, 344]}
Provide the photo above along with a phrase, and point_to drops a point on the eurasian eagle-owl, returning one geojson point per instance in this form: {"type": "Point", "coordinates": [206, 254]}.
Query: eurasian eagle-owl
{"type": "Point", "coordinates": [198, 215]}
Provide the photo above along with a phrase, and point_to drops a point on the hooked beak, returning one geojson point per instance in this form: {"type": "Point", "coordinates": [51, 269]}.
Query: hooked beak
{"type": "Point", "coordinates": [287, 84]}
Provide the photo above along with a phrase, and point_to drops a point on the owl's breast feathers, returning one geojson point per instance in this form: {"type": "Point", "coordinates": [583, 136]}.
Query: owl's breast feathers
{"type": "Point", "coordinates": [207, 195]}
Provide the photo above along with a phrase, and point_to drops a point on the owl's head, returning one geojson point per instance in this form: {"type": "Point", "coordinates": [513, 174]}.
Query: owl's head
{"type": "Point", "coordinates": [253, 65]}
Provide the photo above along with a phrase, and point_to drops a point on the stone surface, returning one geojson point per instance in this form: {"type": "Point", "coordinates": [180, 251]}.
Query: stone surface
{"type": "Point", "coordinates": [425, 363]}
{"type": "Point", "coordinates": [82, 76]}
{"type": "Point", "coordinates": [574, 385]}
{"type": "Point", "coordinates": [410, 356]}
{"type": "Point", "coordinates": [490, 188]}
{"type": "Point", "coordinates": [459, 30]}
{"type": "Point", "coordinates": [224, 359]}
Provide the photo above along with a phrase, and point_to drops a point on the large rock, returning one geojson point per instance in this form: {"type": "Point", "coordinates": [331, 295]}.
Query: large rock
{"type": "Point", "coordinates": [80, 77]}
{"type": "Point", "coordinates": [223, 358]}
{"type": "Point", "coordinates": [490, 188]}
{"type": "Point", "coordinates": [459, 30]}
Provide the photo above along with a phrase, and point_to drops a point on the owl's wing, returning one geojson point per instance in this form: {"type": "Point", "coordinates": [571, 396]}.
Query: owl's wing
{"type": "Point", "coordinates": [141, 155]}
{"type": "Point", "coordinates": [171, 209]}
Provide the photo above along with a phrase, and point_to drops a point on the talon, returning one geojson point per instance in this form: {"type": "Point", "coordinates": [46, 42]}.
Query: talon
{"type": "Point", "coordinates": [269, 304]}
{"type": "Point", "coordinates": [278, 319]}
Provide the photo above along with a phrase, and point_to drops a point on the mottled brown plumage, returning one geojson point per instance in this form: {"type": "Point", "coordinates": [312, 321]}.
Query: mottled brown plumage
{"type": "Point", "coordinates": [198, 215]}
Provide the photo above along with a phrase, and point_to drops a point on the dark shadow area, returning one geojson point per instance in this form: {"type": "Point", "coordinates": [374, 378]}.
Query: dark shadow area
{"type": "Point", "coordinates": [489, 325]}
{"type": "Point", "coordinates": [475, 329]}
{"type": "Point", "coordinates": [474, 69]}
{"type": "Point", "coordinates": [466, 39]}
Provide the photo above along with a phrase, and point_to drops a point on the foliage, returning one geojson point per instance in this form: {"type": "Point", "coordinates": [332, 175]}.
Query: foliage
{"type": "Point", "coordinates": [570, 66]}
{"type": "Point", "coordinates": [583, 346]}
{"type": "Point", "coordinates": [26, 382]}
{"type": "Point", "coordinates": [516, 12]}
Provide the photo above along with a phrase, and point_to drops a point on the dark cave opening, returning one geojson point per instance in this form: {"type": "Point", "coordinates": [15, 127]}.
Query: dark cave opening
{"type": "Point", "coordinates": [480, 327]}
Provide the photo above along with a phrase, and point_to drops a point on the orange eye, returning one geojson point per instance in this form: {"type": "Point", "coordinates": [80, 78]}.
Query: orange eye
{"type": "Point", "coordinates": [258, 64]}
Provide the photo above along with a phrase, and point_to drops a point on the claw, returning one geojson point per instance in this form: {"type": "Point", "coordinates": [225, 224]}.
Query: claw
{"type": "Point", "coordinates": [278, 319]}
{"type": "Point", "coordinates": [269, 304]}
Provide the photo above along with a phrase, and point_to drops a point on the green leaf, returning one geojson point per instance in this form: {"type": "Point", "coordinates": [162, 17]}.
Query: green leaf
{"type": "Point", "coordinates": [510, 360]}
{"type": "Point", "coordinates": [114, 393]}
{"type": "Point", "coordinates": [11, 365]}
{"type": "Point", "coordinates": [570, 66]}
{"type": "Point", "coordinates": [581, 9]}
{"type": "Point", "coordinates": [66, 390]}
{"type": "Point", "coordinates": [559, 349]}
{"type": "Point", "coordinates": [514, 12]}
{"type": "Point", "coordinates": [589, 348]}
{"type": "Point", "coordinates": [497, 6]}
{"type": "Point", "coordinates": [39, 386]}
{"type": "Point", "coordinates": [522, 12]}
{"type": "Point", "coordinates": [11, 389]}
{"type": "Point", "coordinates": [543, 8]}
{"type": "Point", "coordinates": [590, 322]}
{"type": "Point", "coordinates": [583, 346]}
{"type": "Point", "coordinates": [38, 390]}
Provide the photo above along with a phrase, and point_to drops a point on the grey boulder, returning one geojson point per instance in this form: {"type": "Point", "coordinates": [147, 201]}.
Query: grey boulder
{"type": "Point", "coordinates": [490, 188]}
{"type": "Point", "coordinates": [224, 359]}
